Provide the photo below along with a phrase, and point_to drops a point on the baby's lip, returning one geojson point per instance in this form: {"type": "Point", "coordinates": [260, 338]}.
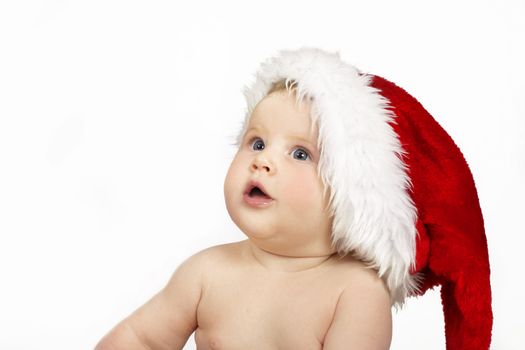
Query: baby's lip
{"type": "Point", "coordinates": [253, 184]}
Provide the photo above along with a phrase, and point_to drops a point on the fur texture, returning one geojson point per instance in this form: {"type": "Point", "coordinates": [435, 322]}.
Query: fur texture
{"type": "Point", "coordinates": [451, 246]}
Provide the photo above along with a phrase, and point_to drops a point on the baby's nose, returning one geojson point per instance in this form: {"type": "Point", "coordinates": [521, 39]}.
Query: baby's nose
{"type": "Point", "coordinates": [262, 164]}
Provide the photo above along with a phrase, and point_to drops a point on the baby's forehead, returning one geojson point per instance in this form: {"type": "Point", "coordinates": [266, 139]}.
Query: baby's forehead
{"type": "Point", "coordinates": [281, 107]}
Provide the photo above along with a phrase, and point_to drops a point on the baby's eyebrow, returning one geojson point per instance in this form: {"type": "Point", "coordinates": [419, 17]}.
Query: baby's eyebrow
{"type": "Point", "coordinates": [255, 127]}
{"type": "Point", "coordinates": [302, 139]}
{"type": "Point", "coordinates": [295, 137]}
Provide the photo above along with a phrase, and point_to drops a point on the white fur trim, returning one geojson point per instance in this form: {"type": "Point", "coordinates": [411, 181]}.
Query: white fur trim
{"type": "Point", "coordinates": [374, 216]}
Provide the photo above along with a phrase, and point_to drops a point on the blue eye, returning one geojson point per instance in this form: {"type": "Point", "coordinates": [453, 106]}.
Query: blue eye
{"type": "Point", "coordinates": [302, 154]}
{"type": "Point", "coordinates": [255, 143]}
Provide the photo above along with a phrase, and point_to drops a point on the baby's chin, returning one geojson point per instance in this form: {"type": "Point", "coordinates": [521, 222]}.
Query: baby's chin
{"type": "Point", "coordinates": [284, 246]}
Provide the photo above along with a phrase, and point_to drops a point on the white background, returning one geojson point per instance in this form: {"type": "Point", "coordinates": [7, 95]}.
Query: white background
{"type": "Point", "coordinates": [116, 124]}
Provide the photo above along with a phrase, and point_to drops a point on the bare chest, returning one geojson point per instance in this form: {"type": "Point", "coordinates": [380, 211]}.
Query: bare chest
{"type": "Point", "coordinates": [239, 310]}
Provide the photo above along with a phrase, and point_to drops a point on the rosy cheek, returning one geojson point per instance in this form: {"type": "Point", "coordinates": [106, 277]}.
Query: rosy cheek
{"type": "Point", "coordinates": [233, 176]}
{"type": "Point", "coordinates": [303, 189]}
{"type": "Point", "coordinates": [239, 166]}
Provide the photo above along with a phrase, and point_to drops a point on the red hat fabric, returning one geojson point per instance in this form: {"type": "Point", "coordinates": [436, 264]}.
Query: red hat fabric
{"type": "Point", "coordinates": [452, 246]}
{"type": "Point", "coordinates": [402, 197]}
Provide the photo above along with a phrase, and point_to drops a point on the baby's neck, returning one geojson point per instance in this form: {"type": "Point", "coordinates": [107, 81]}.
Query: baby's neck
{"type": "Point", "coordinates": [284, 263]}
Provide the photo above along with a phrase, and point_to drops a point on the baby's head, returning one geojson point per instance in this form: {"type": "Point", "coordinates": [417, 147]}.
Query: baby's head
{"type": "Point", "coordinates": [279, 148]}
{"type": "Point", "coordinates": [351, 197]}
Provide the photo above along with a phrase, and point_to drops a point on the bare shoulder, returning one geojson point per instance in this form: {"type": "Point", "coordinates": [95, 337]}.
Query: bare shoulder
{"type": "Point", "coordinates": [208, 261]}
{"type": "Point", "coordinates": [214, 256]}
{"type": "Point", "coordinates": [359, 276]}
{"type": "Point", "coordinates": [168, 319]}
{"type": "Point", "coordinates": [363, 314]}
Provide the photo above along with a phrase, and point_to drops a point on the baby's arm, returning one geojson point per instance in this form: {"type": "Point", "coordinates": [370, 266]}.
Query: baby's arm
{"type": "Point", "coordinates": [168, 319]}
{"type": "Point", "coordinates": [363, 316]}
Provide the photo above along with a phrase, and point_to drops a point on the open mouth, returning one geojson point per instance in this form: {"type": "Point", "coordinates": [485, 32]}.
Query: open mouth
{"type": "Point", "coordinates": [255, 195]}
{"type": "Point", "coordinates": [257, 192]}
{"type": "Point", "coordinates": [256, 189]}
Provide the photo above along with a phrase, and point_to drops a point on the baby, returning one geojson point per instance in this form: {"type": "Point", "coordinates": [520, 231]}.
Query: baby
{"type": "Point", "coordinates": [284, 287]}
{"type": "Point", "coordinates": [352, 198]}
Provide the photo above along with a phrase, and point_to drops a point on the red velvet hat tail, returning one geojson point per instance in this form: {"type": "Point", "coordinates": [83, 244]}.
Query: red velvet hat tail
{"type": "Point", "coordinates": [468, 315]}
{"type": "Point", "coordinates": [452, 246]}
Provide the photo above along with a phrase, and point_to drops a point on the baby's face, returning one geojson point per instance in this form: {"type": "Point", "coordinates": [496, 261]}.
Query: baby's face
{"type": "Point", "coordinates": [280, 152]}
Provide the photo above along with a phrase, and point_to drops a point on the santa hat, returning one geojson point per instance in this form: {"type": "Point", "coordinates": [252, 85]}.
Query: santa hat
{"type": "Point", "coordinates": [402, 196]}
